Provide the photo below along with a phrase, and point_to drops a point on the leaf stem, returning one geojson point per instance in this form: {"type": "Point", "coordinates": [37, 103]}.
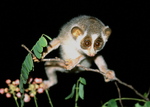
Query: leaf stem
{"type": "Point", "coordinates": [77, 93]}
{"type": "Point", "coordinates": [15, 98]}
{"type": "Point", "coordinates": [35, 101]}
{"type": "Point", "coordinates": [46, 36]}
{"type": "Point", "coordinates": [48, 95]}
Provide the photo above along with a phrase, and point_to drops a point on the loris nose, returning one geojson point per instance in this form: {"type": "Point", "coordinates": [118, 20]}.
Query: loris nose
{"type": "Point", "coordinates": [91, 52]}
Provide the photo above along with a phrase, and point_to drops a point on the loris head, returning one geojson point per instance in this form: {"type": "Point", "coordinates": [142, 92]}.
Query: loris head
{"type": "Point", "coordinates": [90, 36]}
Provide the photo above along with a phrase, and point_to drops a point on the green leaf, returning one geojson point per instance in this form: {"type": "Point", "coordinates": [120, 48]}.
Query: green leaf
{"type": "Point", "coordinates": [22, 79]}
{"type": "Point", "coordinates": [72, 93]}
{"type": "Point", "coordinates": [21, 84]}
{"type": "Point", "coordinates": [112, 103]}
{"type": "Point", "coordinates": [24, 68]}
{"type": "Point", "coordinates": [37, 53]}
{"type": "Point", "coordinates": [28, 65]}
{"type": "Point", "coordinates": [28, 62]}
{"type": "Point", "coordinates": [138, 105]}
{"type": "Point", "coordinates": [43, 42]}
{"type": "Point", "coordinates": [24, 75]}
{"type": "Point", "coordinates": [82, 80]}
{"type": "Point", "coordinates": [147, 104]}
{"type": "Point", "coordinates": [146, 94]}
{"type": "Point", "coordinates": [81, 91]}
{"type": "Point", "coordinates": [47, 36]}
{"type": "Point", "coordinates": [38, 47]}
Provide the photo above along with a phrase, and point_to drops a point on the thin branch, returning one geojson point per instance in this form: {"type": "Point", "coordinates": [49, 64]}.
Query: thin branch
{"type": "Point", "coordinates": [53, 59]}
{"type": "Point", "coordinates": [119, 93]}
{"type": "Point", "coordinates": [28, 50]}
{"type": "Point", "coordinates": [108, 76]}
{"type": "Point", "coordinates": [131, 87]}
{"type": "Point", "coordinates": [89, 69]}
{"type": "Point", "coordinates": [96, 70]}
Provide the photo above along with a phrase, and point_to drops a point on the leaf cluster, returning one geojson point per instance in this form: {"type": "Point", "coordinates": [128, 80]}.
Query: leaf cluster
{"type": "Point", "coordinates": [77, 90]}
{"type": "Point", "coordinates": [28, 65]}
{"type": "Point", "coordinates": [113, 102]}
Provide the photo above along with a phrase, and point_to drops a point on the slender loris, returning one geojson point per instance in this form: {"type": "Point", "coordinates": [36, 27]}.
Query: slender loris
{"type": "Point", "coordinates": [80, 39]}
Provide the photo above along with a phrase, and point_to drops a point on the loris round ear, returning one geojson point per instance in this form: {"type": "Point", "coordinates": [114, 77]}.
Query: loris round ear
{"type": "Point", "coordinates": [76, 31]}
{"type": "Point", "coordinates": [107, 31]}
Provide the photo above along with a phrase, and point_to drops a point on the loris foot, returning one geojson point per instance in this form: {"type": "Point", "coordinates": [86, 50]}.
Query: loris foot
{"type": "Point", "coordinates": [35, 59]}
{"type": "Point", "coordinates": [47, 84]}
{"type": "Point", "coordinates": [110, 76]}
{"type": "Point", "coordinates": [69, 64]}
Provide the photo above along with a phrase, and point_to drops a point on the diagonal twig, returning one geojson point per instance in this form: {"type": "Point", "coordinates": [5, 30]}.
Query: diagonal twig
{"type": "Point", "coordinates": [132, 88]}
{"type": "Point", "coordinates": [28, 50]}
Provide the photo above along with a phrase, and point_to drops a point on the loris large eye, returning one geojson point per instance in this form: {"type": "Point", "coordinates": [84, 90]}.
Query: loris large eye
{"type": "Point", "coordinates": [86, 42]}
{"type": "Point", "coordinates": [98, 43]}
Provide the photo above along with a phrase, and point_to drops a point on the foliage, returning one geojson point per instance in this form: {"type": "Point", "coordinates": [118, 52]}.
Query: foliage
{"type": "Point", "coordinates": [113, 102]}
{"type": "Point", "coordinates": [77, 88]}
{"type": "Point", "coordinates": [37, 87]}
{"type": "Point", "coordinates": [28, 65]}
{"type": "Point", "coordinates": [147, 104]}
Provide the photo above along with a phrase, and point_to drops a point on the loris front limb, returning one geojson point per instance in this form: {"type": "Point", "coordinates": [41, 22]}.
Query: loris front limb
{"type": "Point", "coordinates": [54, 44]}
{"type": "Point", "coordinates": [109, 75]}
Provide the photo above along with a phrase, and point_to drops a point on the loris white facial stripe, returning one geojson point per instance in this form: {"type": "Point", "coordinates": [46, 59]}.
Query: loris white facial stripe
{"type": "Point", "coordinates": [94, 37]}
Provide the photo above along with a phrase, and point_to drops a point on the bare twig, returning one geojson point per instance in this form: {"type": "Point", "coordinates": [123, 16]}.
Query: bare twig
{"type": "Point", "coordinates": [119, 93]}
{"type": "Point", "coordinates": [89, 69]}
{"type": "Point", "coordinates": [131, 87]}
{"type": "Point", "coordinates": [53, 59]}
{"type": "Point", "coordinates": [27, 50]}
{"type": "Point", "coordinates": [34, 57]}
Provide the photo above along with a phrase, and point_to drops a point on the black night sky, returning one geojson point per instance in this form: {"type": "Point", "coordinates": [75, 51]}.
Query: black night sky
{"type": "Point", "coordinates": [127, 51]}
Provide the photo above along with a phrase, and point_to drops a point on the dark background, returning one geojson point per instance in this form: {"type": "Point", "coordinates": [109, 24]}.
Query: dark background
{"type": "Point", "coordinates": [126, 52]}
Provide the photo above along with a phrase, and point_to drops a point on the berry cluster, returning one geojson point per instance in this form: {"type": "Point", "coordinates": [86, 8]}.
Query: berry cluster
{"type": "Point", "coordinates": [34, 86]}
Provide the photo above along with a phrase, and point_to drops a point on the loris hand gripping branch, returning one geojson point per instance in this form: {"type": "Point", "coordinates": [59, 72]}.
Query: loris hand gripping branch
{"type": "Point", "coordinates": [79, 41]}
